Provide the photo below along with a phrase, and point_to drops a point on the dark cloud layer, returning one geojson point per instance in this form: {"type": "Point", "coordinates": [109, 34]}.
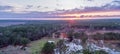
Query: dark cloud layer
{"type": "Point", "coordinates": [31, 15]}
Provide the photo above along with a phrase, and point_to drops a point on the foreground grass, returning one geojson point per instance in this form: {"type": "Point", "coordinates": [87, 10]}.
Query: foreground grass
{"type": "Point", "coordinates": [36, 46]}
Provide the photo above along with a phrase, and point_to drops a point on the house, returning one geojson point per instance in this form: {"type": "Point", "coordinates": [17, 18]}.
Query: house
{"type": "Point", "coordinates": [63, 35]}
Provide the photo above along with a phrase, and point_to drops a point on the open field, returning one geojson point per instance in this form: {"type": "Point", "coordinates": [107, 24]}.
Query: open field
{"type": "Point", "coordinates": [36, 46]}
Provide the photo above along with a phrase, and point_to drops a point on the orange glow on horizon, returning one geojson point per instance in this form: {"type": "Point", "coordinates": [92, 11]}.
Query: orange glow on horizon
{"type": "Point", "coordinates": [78, 16]}
{"type": "Point", "coordinates": [93, 14]}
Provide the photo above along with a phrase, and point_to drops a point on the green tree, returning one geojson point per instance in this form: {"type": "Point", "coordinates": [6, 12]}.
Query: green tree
{"type": "Point", "coordinates": [48, 48]}
{"type": "Point", "coordinates": [100, 52]}
{"type": "Point", "coordinates": [86, 51]}
{"type": "Point", "coordinates": [61, 46]}
{"type": "Point", "coordinates": [24, 41]}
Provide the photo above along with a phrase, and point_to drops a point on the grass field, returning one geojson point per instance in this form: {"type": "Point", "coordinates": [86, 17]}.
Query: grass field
{"type": "Point", "coordinates": [36, 46]}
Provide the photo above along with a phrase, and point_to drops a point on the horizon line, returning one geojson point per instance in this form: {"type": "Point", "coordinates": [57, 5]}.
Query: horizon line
{"type": "Point", "coordinates": [87, 18]}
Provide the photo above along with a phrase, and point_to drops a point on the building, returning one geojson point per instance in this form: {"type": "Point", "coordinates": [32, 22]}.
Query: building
{"type": "Point", "coordinates": [63, 35]}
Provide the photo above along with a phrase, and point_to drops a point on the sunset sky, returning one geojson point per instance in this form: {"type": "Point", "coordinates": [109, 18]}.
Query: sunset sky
{"type": "Point", "coordinates": [59, 9]}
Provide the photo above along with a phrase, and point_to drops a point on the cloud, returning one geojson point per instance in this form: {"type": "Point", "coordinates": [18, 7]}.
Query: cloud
{"type": "Point", "coordinates": [46, 7]}
{"type": "Point", "coordinates": [29, 6]}
{"type": "Point", "coordinates": [114, 5]}
{"type": "Point", "coordinates": [32, 11]}
{"type": "Point", "coordinates": [90, 0]}
{"type": "Point", "coordinates": [30, 15]}
{"type": "Point", "coordinates": [38, 6]}
{"type": "Point", "coordinates": [118, 1]}
{"type": "Point", "coordinates": [23, 15]}
{"type": "Point", "coordinates": [58, 5]}
{"type": "Point", "coordinates": [5, 7]}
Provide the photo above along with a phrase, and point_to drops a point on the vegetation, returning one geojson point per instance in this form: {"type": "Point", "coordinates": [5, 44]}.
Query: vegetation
{"type": "Point", "coordinates": [61, 46]}
{"type": "Point", "coordinates": [24, 41]}
{"type": "Point", "coordinates": [23, 34]}
{"type": "Point", "coordinates": [100, 52]}
{"type": "Point", "coordinates": [107, 36]}
{"type": "Point", "coordinates": [87, 51]}
{"type": "Point", "coordinates": [48, 48]}
{"type": "Point", "coordinates": [36, 46]}
{"type": "Point", "coordinates": [81, 35]}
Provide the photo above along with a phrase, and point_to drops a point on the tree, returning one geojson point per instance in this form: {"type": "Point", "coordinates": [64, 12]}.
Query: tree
{"type": "Point", "coordinates": [86, 51]}
{"type": "Point", "coordinates": [100, 52]}
{"type": "Point", "coordinates": [23, 34]}
{"type": "Point", "coordinates": [24, 41]}
{"type": "Point", "coordinates": [61, 46]}
{"type": "Point", "coordinates": [70, 35]}
{"type": "Point", "coordinates": [3, 41]}
{"type": "Point", "coordinates": [77, 35]}
{"type": "Point", "coordinates": [48, 48]}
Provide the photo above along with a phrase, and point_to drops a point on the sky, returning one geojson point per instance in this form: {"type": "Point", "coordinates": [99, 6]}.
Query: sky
{"type": "Point", "coordinates": [58, 9]}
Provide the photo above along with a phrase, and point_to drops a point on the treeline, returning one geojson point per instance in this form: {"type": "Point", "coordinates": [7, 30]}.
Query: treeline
{"type": "Point", "coordinates": [107, 36]}
{"type": "Point", "coordinates": [98, 26]}
{"type": "Point", "coordinates": [23, 34]}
